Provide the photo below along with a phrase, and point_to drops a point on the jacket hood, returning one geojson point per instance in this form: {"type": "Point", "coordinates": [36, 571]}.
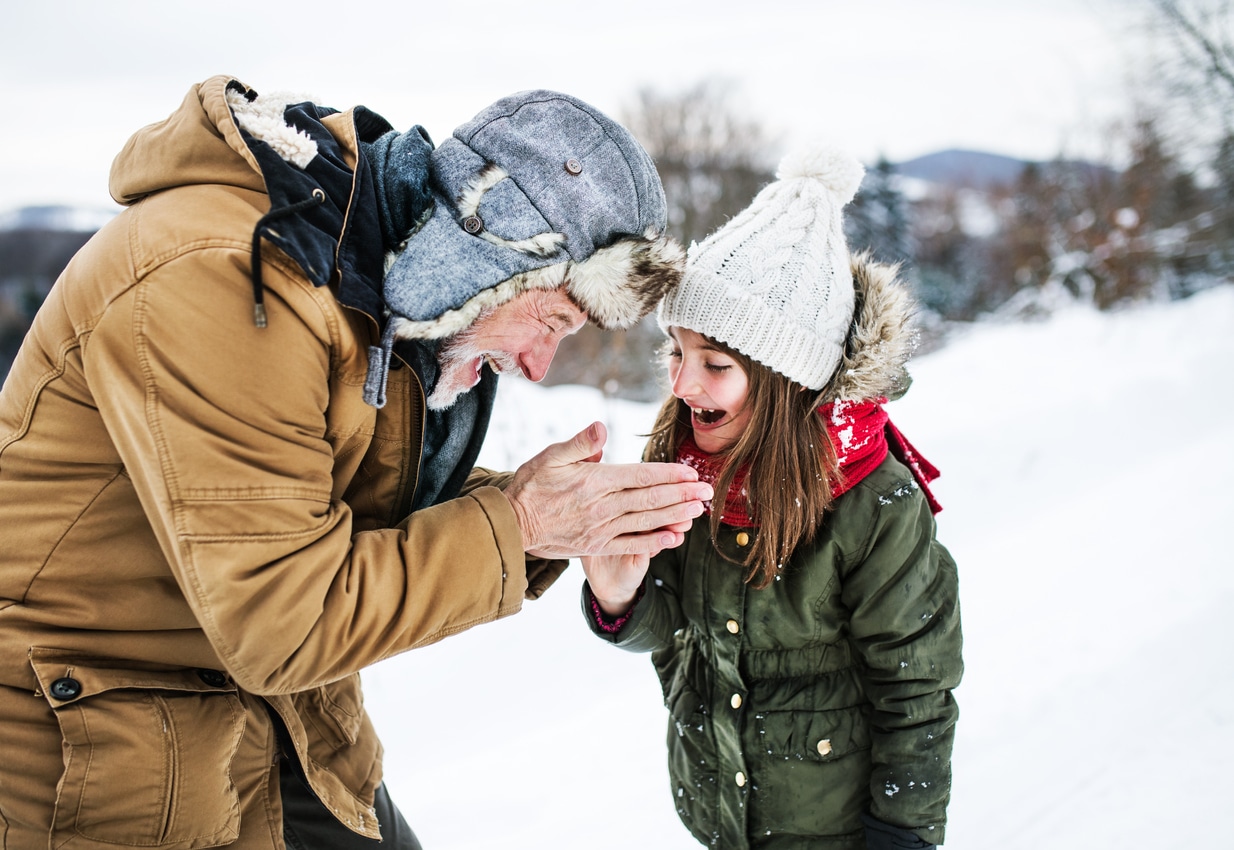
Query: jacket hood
{"type": "Point", "coordinates": [198, 143]}
{"type": "Point", "coordinates": [882, 337]}
{"type": "Point", "coordinates": [322, 209]}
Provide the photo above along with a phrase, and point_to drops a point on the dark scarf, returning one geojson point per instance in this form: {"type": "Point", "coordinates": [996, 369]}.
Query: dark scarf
{"type": "Point", "coordinates": [399, 163]}
{"type": "Point", "coordinates": [452, 437]}
{"type": "Point", "coordinates": [861, 435]}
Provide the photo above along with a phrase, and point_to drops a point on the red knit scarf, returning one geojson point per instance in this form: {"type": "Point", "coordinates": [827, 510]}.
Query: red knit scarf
{"type": "Point", "coordinates": [861, 435]}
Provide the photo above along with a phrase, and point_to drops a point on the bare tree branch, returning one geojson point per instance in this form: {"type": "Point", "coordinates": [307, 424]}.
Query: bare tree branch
{"type": "Point", "coordinates": [1201, 31]}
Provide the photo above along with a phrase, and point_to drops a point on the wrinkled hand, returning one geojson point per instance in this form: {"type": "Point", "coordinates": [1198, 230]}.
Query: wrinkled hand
{"type": "Point", "coordinates": [615, 579]}
{"type": "Point", "coordinates": [567, 504]}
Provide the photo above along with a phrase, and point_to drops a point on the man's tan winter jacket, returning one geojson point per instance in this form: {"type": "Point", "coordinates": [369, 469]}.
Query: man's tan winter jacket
{"type": "Point", "coordinates": [202, 521]}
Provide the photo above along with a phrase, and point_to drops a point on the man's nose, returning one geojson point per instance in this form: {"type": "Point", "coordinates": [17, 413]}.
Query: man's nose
{"type": "Point", "coordinates": [535, 361]}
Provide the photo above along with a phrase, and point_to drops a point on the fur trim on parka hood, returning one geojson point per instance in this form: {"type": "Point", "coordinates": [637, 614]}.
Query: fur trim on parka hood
{"type": "Point", "coordinates": [881, 339]}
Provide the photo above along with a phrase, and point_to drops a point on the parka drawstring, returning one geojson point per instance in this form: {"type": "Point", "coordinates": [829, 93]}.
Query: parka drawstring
{"type": "Point", "coordinates": [259, 306]}
{"type": "Point", "coordinates": [379, 368]}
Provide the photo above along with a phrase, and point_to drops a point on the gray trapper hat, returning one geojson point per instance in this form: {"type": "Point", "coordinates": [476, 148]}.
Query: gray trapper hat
{"type": "Point", "coordinates": [538, 191]}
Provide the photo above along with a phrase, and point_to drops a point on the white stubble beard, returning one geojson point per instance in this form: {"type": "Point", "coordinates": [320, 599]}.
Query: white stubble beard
{"type": "Point", "coordinates": [457, 374]}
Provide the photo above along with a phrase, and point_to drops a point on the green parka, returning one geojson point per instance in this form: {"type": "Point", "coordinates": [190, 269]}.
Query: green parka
{"type": "Point", "coordinates": [796, 708]}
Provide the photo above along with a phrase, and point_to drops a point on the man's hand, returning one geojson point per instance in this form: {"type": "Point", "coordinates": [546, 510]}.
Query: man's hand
{"type": "Point", "coordinates": [568, 504]}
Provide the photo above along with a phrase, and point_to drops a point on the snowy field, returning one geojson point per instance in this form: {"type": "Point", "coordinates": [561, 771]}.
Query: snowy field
{"type": "Point", "coordinates": [1088, 467]}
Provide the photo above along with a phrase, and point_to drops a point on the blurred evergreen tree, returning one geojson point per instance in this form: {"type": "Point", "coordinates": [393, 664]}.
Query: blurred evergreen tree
{"type": "Point", "coordinates": [947, 270]}
{"type": "Point", "coordinates": [1222, 252]}
{"type": "Point", "coordinates": [30, 262]}
{"type": "Point", "coordinates": [877, 220]}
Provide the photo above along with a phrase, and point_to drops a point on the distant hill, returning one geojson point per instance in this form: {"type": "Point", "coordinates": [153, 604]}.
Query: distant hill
{"type": "Point", "coordinates": [973, 169]}
{"type": "Point", "coordinates": [976, 169]}
{"type": "Point", "coordinates": [58, 218]}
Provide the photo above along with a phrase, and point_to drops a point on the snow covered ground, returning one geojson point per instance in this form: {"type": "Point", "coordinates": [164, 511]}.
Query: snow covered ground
{"type": "Point", "coordinates": [1088, 467]}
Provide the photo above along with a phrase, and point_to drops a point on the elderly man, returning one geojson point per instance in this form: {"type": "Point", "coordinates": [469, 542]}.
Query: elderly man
{"type": "Point", "coordinates": [237, 450]}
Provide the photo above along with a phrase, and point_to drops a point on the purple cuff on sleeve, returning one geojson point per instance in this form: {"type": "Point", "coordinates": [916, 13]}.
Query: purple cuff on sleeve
{"type": "Point", "coordinates": [609, 624]}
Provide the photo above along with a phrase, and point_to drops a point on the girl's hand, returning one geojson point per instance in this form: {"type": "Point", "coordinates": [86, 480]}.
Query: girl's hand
{"type": "Point", "coordinates": [615, 580]}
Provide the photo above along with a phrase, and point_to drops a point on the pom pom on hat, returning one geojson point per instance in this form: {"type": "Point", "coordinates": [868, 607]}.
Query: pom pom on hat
{"type": "Point", "coordinates": [775, 282]}
{"type": "Point", "coordinates": [832, 167]}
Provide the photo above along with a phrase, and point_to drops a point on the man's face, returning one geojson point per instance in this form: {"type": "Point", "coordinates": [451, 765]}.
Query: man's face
{"type": "Point", "coordinates": [521, 335]}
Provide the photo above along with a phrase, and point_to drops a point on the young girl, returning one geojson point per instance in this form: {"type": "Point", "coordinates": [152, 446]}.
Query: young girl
{"type": "Point", "coordinates": [808, 635]}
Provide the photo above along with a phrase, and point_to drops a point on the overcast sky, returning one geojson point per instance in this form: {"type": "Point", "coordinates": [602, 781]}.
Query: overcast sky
{"type": "Point", "coordinates": [900, 78]}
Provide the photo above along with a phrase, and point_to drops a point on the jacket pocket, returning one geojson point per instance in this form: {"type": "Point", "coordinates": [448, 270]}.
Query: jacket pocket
{"type": "Point", "coordinates": [684, 676]}
{"type": "Point", "coordinates": [335, 711]}
{"type": "Point", "coordinates": [813, 775]}
{"type": "Point", "coordinates": [813, 735]}
{"type": "Point", "coordinates": [147, 753]}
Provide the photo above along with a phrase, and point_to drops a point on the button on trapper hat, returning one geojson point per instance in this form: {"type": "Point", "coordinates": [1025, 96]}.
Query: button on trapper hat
{"type": "Point", "coordinates": [538, 191]}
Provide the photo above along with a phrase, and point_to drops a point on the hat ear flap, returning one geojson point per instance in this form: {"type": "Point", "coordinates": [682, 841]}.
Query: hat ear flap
{"type": "Point", "coordinates": [540, 245]}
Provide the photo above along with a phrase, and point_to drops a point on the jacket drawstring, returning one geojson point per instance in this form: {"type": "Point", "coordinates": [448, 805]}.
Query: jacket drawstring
{"type": "Point", "coordinates": [259, 306]}
{"type": "Point", "coordinates": [379, 368]}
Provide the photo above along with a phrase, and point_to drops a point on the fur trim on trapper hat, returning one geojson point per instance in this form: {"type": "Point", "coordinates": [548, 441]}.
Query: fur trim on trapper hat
{"type": "Point", "coordinates": [617, 286]}
{"type": "Point", "coordinates": [775, 282]}
{"type": "Point", "coordinates": [620, 284]}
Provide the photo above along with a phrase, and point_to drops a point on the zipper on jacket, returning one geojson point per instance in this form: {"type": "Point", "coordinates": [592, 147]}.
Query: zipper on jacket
{"type": "Point", "coordinates": [407, 499]}
{"type": "Point", "coordinates": [403, 500]}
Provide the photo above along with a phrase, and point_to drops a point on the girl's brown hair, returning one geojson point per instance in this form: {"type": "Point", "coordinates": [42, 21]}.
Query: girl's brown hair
{"type": "Point", "coordinates": [790, 462]}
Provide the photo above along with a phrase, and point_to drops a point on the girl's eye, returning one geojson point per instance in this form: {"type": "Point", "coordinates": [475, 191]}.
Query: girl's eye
{"type": "Point", "coordinates": [675, 353]}
{"type": "Point", "coordinates": [718, 367]}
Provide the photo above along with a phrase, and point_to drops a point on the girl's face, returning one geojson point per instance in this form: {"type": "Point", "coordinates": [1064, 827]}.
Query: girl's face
{"type": "Point", "coordinates": [713, 385]}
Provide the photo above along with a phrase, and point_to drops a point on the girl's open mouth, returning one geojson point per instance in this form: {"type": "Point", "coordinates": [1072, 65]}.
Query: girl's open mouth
{"type": "Point", "coordinates": [703, 416]}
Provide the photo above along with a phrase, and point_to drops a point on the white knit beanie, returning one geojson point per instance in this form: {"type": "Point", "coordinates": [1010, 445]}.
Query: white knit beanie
{"type": "Point", "coordinates": [774, 282]}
